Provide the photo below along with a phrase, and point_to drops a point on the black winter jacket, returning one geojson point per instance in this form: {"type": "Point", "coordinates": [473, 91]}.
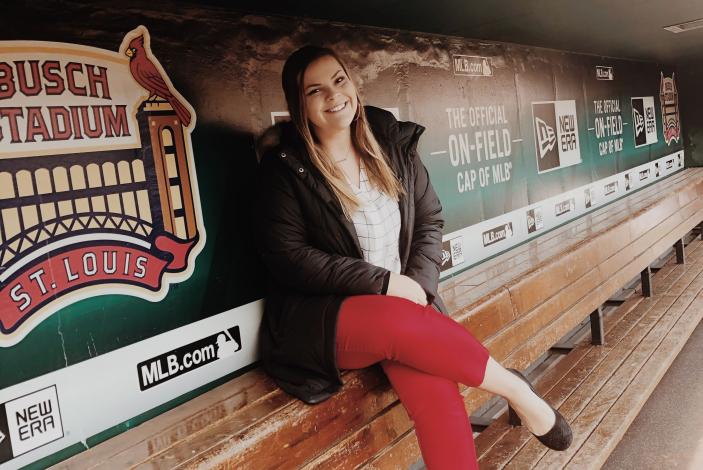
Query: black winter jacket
{"type": "Point", "coordinates": [312, 254]}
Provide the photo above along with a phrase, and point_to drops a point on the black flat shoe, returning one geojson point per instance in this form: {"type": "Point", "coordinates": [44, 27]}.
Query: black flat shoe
{"type": "Point", "coordinates": [557, 438]}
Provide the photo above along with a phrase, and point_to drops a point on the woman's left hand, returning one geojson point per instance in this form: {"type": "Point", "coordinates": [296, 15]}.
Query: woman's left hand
{"type": "Point", "coordinates": [407, 288]}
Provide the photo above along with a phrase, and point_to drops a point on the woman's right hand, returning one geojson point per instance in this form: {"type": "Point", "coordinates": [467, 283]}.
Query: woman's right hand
{"type": "Point", "coordinates": [407, 288]}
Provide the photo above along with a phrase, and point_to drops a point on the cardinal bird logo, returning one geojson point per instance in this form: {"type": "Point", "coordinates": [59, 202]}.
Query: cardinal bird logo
{"type": "Point", "coordinates": [148, 76]}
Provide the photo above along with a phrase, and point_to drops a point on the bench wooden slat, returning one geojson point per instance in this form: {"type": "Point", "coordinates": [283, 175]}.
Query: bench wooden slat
{"type": "Point", "coordinates": [494, 433]}
{"type": "Point", "coordinates": [491, 315]}
{"type": "Point", "coordinates": [603, 275]}
{"type": "Point", "coordinates": [246, 422]}
{"type": "Point", "coordinates": [508, 274]}
{"type": "Point", "coordinates": [365, 443]}
{"type": "Point", "coordinates": [472, 403]}
{"type": "Point", "coordinates": [530, 290]}
{"type": "Point", "coordinates": [401, 455]}
{"type": "Point", "coordinates": [306, 431]}
{"type": "Point", "coordinates": [129, 448]}
{"type": "Point", "coordinates": [533, 450]}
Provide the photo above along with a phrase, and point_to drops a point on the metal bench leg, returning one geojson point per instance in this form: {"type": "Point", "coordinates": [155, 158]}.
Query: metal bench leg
{"type": "Point", "coordinates": [646, 276]}
{"type": "Point", "coordinates": [597, 327]}
{"type": "Point", "coordinates": [680, 256]}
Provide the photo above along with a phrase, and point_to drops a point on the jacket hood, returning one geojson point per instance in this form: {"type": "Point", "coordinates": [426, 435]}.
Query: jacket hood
{"type": "Point", "coordinates": [387, 128]}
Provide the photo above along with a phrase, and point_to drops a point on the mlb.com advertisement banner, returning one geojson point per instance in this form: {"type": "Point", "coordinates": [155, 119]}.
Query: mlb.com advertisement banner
{"type": "Point", "coordinates": [127, 165]}
{"type": "Point", "coordinates": [69, 406]}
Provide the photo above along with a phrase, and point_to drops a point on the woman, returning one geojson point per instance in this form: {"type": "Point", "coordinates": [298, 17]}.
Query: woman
{"type": "Point", "coordinates": [349, 229]}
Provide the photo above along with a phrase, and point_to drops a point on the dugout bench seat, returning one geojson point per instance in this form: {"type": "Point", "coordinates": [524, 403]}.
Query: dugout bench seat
{"type": "Point", "coordinates": [519, 304]}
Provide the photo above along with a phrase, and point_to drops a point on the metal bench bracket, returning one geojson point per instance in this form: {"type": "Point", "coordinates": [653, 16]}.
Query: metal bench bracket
{"type": "Point", "coordinates": [597, 327]}
{"type": "Point", "coordinates": [647, 282]}
{"type": "Point", "coordinates": [680, 255]}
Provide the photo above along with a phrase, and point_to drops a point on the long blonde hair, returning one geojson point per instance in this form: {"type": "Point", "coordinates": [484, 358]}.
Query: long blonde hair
{"type": "Point", "coordinates": [379, 172]}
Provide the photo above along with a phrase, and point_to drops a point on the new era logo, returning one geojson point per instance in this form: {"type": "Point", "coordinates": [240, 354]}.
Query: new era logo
{"type": "Point", "coordinates": [546, 138]}
{"type": "Point", "coordinates": [446, 256]}
{"type": "Point", "coordinates": [556, 134]}
{"type": "Point", "coordinates": [639, 121]}
{"type": "Point", "coordinates": [29, 422]}
{"type": "Point", "coordinates": [452, 252]}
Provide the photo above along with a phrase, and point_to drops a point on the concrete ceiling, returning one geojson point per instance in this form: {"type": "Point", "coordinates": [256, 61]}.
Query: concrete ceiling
{"type": "Point", "coordinates": [617, 28]}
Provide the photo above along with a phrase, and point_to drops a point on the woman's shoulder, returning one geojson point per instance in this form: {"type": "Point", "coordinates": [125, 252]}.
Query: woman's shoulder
{"type": "Point", "coordinates": [389, 130]}
{"type": "Point", "coordinates": [275, 140]}
{"type": "Point", "coordinates": [280, 149]}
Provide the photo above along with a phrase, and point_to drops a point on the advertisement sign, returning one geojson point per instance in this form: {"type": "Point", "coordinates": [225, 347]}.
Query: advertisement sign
{"type": "Point", "coordinates": [669, 98]}
{"type": "Point", "coordinates": [29, 422]}
{"type": "Point", "coordinates": [604, 73]}
{"type": "Point", "coordinates": [97, 181]}
{"type": "Point", "coordinates": [644, 121]}
{"type": "Point", "coordinates": [472, 66]}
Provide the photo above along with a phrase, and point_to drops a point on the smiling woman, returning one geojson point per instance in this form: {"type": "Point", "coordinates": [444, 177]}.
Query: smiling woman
{"type": "Point", "coordinates": [350, 230]}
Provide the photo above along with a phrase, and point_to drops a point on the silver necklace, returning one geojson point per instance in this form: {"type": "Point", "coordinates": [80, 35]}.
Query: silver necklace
{"type": "Point", "coordinates": [345, 158]}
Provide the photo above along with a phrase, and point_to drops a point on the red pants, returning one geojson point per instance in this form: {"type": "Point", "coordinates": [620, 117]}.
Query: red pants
{"type": "Point", "coordinates": [424, 354]}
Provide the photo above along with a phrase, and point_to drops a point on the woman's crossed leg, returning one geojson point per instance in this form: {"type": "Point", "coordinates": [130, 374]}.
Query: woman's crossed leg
{"type": "Point", "coordinates": [424, 354]}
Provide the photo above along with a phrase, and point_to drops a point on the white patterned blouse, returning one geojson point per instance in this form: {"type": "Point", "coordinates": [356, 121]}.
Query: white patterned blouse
{"type": "Point", "coordinates": [377, 224]}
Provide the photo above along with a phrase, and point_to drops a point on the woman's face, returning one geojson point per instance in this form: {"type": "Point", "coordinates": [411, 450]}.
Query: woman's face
{"type": "Point", "coordinates": [330, 96]}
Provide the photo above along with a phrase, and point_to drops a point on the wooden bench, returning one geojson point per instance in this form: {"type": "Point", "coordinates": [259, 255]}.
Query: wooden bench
{"type": "Point", "coordinates": [601, 389]}
{"type": "Point", "coordinates": [519, 304]}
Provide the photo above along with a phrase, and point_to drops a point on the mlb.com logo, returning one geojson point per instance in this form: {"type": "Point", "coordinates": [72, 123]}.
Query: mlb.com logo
{"type": "Point", "coordinates": [556, 134]}
{"type": "Point", "coordinates": [29, 422]}
{"type": "Point", "coordinates": [184, 359]}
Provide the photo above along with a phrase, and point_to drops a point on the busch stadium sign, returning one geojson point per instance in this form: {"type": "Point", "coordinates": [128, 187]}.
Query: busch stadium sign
{"type": "Point", "coordinates": [98, 192]}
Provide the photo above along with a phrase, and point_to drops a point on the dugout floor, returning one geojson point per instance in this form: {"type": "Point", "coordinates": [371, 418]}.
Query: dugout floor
{"type": "Point", "coordinates": [668, 431]}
